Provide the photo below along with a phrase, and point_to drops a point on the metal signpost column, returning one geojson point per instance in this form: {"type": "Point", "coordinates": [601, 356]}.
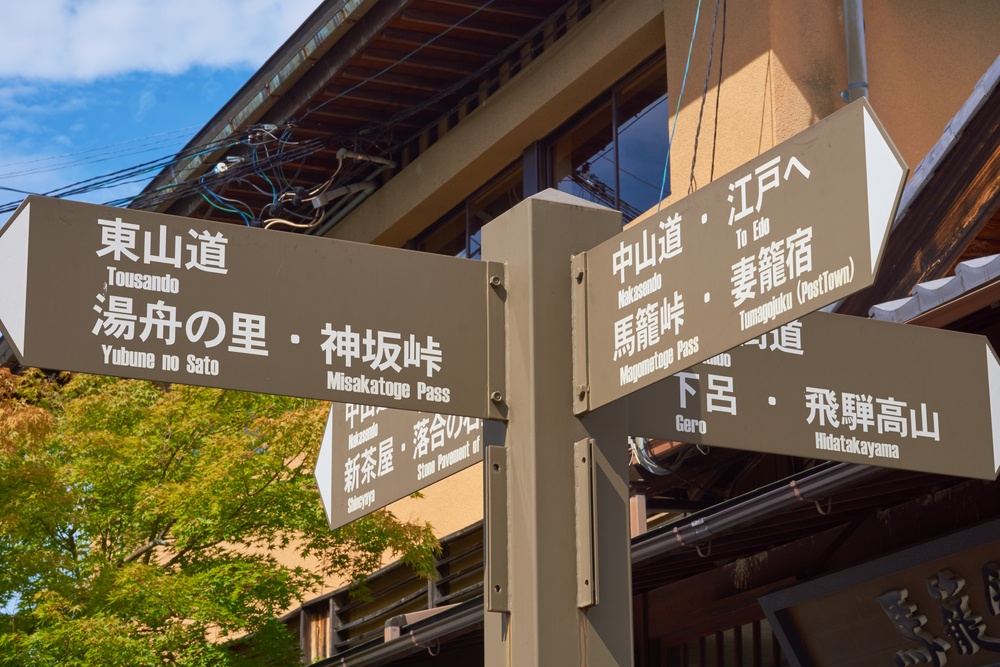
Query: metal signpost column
{"type": "Point", "coordinates": [542, 612]}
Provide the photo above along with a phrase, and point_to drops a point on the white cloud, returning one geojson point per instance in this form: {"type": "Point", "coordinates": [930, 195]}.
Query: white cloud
{"type": "Point", "coordinates": [84, 40]}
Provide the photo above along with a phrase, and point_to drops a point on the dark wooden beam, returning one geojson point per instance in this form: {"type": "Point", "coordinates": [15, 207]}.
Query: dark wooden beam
{"type": "Point", "coordinates": [424, 83]}
{"type": "Point", "coordinates": [342, 115]}
{"type": "Point", "coordinates": [417, 62]}
{"type": "Point", "coordinates": [381, 102]}
{"type": "Point", "coordinates": [518, 8]}
{"type": "Point", "coordinates": [475, 50]}
{"type": "Point", "coordinates": [475, 24]}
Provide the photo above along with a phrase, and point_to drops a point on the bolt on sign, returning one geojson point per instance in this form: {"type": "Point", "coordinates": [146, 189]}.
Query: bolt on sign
{"type": "Point", "coordinates": [840, 388]}
{"type": "Point", "coordinates": [795, 229]}
{"type": "Point", "coordinates": [150, 296]}
{"type": "Point", "coordinates": [371, 457]}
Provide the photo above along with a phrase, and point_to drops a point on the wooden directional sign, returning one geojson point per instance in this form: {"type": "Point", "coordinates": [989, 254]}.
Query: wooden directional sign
{"type": "Point", "coordinates": [371, 457]}
{"type": "Point", "coordinates": [799, 227]}
{"type": "Point", "coordinates": [840, 388]}
{"type": "Point", "coordinates": [143, 295]}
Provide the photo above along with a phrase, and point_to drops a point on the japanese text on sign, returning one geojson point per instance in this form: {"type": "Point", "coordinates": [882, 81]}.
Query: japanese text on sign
{"type": "Point", "coordinates": [965, 631]}
{"type": "Point", "coordinates": [720, 396]}
{"type": "Point", "coordinates": [861, 415]}
{"type": "Point", "coordinates": [650, 323]}
{"type": "Point", "coordinates": [390, 449]}
{"type": "Point", "coordinates": [123, 318]}
{"type": "Point", "coordinates": [126, 319]}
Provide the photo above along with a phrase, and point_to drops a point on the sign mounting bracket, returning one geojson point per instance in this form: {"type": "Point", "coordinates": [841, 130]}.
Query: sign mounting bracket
{"type": "Point", "coordinates": [585, 482]}
{"type": "Point", "coordinates": [581, 367]}
{"type": "Point", "coordinates": [496, 352]}
{"type": "Point", "coordinates": [496, 523]}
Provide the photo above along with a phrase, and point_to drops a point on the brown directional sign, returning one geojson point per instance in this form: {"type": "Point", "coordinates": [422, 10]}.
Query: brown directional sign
{"type": "Point", "coordinates": [840, 388]}
{"type": "Point", "coordinates": [371, 457]}
{"type": "Point", "coordinates": [798, 228]}
{"type": "Point", "coordinates": [143, 295]}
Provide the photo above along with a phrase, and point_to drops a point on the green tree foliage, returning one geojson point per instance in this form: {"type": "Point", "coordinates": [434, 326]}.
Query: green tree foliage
{"type": "Point", "coordinates": [138, 522]}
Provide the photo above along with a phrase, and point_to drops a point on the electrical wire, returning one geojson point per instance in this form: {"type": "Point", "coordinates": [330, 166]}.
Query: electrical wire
{"type": "Point", "coordinates": [643, 457]}
{"type": "Point", "coordinates": [280, 221]}
{"type": "Point", "coordinates": [677, 109]}
{"type": "Point", "coordinates": [242, 171]}
{"type": "Point", "coordinates": [231, 202]}
{"type": "Point", "coordinates": [650, 465]}
{"type": "Point", "coordinates": [23, 192]}
{"type": "Point", "coordinates": [718, 91]}
{"type": "Point", "coordinates": [104, 157]}
{"type": "Point", "coordinates": [269, 168]}
{"type": "Point", "coordinates": [263, 175]}
{"type": "Point", "coordinates": [205, 194]}
{"type": "Point", "coordinates": [322, 187]}
{"type": "Point", "coordinates": [99, 150]}
{"type": "Point", "coordinates": [692, 183]}
{"type": "Point", "coordinates": [376, 134]}
{"type": "Point", "coordinates": [123, 176]}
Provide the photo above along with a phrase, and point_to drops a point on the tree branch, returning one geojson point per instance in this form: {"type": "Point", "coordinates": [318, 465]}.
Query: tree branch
{"type": "Point", "coordinates": [157, 541]}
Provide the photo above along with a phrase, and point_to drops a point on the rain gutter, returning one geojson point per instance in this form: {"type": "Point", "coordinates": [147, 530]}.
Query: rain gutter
{"type": "Point", "coordinates": [699, 528]}
{"type": "Point", "coordinates": [422, 635]}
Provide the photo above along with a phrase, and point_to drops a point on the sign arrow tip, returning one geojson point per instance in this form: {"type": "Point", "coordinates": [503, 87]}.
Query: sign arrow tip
{"type": "Point", "coordinates": [14, 277]}
{"type": "Point", "coordinates": [993, 373]}
{"type": "Point", "coordinates": [886, 175]}
{"type": "Point", "coordinates": [324, 467]}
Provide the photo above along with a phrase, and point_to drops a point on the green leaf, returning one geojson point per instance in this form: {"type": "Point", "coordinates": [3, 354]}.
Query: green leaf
{"type": "Point", "coordinates": [138, 523]}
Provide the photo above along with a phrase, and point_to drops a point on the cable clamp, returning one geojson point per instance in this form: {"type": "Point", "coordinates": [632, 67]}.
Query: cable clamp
{"type": "Point", "coordinates": [845, 94]}
{"type": "Point", "coordinates": [819, 508]}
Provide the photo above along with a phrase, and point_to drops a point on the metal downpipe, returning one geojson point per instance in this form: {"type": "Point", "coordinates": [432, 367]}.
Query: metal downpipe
{"type": "Point", "coordinates": [857, 59]}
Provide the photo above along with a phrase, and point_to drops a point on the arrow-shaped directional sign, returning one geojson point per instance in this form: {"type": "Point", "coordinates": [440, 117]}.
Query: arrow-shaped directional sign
{"type": "Point", "coordinates": [371, 457]}
{"type": "Point", "coordinates": [151, 296]}
{"type": "Point", "coordinates": [840, 388]}
{"type": "Point", "coordinates": [798, 228]}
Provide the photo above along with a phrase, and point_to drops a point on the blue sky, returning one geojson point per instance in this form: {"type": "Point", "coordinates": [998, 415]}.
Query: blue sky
{"type": "Point", "coordinates": [91, 86]}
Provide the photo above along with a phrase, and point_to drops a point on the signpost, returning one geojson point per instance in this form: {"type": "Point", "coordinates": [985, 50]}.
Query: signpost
{"type": "Point", "coordinates": [557, 582]}
{"type": "Point", "coordinates": [157, 297]}
{"type": "Point", "coordinates": [371, 457]}
{"type": "Point", "coordinates": [793, 230]}
{"type": "Point", "coordinates": [150, 296]}
{"type": "Point", "coordinates": [844, 389]}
